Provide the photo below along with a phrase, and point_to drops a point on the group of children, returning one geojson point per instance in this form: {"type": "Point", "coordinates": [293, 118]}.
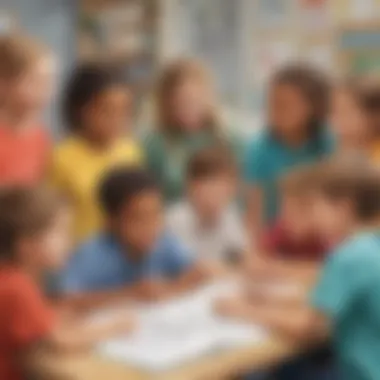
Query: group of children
{"type": "Point", "coordinates": [111, 214]}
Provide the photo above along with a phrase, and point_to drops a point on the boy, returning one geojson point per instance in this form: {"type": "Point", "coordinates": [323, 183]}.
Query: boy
{"type": "Point", "coordinates": [206, 221]}
{"type": "Point", "coordinates": [292, 247]}
{"type": "Point", "coordinates": [33, 238]}
{"type": "Point", "coordinates": [133, 257]}
{"type": "Point", "coordinates": [345, 301]}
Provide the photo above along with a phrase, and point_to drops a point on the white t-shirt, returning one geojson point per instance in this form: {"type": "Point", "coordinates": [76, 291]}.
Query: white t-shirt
{"type": "Point", "coordinates": [222, 241]}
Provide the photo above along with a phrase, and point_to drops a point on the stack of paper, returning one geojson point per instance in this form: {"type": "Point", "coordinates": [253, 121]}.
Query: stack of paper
{"type": "Point", "coordinates": [180, 331]}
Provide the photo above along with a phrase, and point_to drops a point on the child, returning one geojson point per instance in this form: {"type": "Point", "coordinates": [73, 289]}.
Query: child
{"type": "Point", "coordinates": [133, 257]}
{"type": "Point", "coordinates": [26, 76]}
{"type": "Point", "coordinates": [298, 102]}
{"type": "Point", "coordinates": [351, 117]}
{"type": "Point", "coordinates": [33, 238]}
{"type": "Point", "coordinates": [187, 121]}
{"type": "Point", "coordinates": [97, 108]}
{"type": "Point", "coordinates": [207, 221]}
{"type": "Point", "coordinates": [293, 247]}
{"type": "Point", "coordinates": [345, 301]}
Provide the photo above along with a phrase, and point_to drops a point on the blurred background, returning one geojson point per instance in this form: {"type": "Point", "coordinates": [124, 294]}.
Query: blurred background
{"type": "Point", "coordinates": [242, 41]}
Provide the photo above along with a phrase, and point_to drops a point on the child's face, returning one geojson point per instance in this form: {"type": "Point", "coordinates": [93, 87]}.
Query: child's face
{"type": "Point", "coordinates": [296, 214]}
{"type": "Point", "coordinates": [140, 223]}
{"type": "Point", "coordinates": [31, 92]}
{"type": "Point", "coordinates": [49, 250]}
{"type": "Point", "coordinates": [347, 119]}
{"type": "Point", "coordinates": [107, 116]}
{"type": "Point", "coordinates": [210, 197]}
{"type": "Point", "coordinates": [288, 110]}
{"type": "Point", "coordinates": [333, 218]}
{"type": "Point", "coordinates": [190, 105]}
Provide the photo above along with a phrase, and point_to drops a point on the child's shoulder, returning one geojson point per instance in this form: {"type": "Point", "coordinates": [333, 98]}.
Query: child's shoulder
{"type": "Point", "coordinates": [130, 149]}
{"type": "Point", "coordinates": [260, 142]}
{"type": "Point", "coordinates": [168, 244]}
{"type": "Point", "coordinates": [100, 242]}
{"type": "Point", "coordinates": [360, 249]}
{"type": "Point", "coordinates": [15, 283]}
{"type": "Point", "coordinates": [68, 146]}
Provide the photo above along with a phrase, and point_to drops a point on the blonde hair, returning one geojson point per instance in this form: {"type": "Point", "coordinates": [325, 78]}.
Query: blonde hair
{"type": "Point", "coordinates": [171, 78]}
{"type": "Point", "coordinates": [18, 53]}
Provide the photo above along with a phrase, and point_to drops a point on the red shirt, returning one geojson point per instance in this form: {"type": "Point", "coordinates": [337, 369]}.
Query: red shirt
{"type": "Point", "coordinates": [279, 242]}
{"type": "Point", "coordinates": [23, 155]}
{"type": "Point", "coordinates": [25, 318]}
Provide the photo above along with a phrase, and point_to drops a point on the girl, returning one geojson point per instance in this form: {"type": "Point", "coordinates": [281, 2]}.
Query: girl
{"type": "Point", "coordinates": [97, 109]}
{"type": "Point", "coordinates": [187, 121]}
{"type": "Point", "coordinates": [26, 73]}
{"type": "Point", "coordinates": [298, 102]}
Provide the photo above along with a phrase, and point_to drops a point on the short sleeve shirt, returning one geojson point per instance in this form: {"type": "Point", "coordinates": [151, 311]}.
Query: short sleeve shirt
{"type": "Point", "coordinates": [348, 292]}
{"type": "Point", "coordinates": [24, 155]}
{"type": "Point", "coordinates": [25, 318]}
{"type": "Point", "coordinates": [224, 240]}
{"type": "Point", "coordinates": [103, 264]}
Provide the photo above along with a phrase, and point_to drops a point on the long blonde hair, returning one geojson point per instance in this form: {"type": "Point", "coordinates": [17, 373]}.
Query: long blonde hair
{"type": "Point", "coordinates": [171, 78]}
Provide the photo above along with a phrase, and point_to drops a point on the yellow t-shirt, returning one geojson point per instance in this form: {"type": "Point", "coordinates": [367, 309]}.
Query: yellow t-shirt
{"type": "Point", "coordinates": [77, 170]}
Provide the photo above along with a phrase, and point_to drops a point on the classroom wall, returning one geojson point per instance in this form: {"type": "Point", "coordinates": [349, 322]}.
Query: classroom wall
{"type": "Point", "coordinates": [53, 21]}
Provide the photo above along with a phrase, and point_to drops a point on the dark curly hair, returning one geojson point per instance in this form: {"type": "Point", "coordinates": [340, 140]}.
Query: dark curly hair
{"type": "Point", "coordinates": [85, 83]}
{"type": "Point", "coordinates": [121, 185]}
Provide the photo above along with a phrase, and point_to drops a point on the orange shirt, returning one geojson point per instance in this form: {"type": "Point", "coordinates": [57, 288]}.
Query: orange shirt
{"type": "Point", "coordinates": [25, 318]}
{"type": "Point", "coordinates": [23, 155]}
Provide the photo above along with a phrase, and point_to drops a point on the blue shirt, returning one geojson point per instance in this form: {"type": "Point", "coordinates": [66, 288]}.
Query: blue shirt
{"type": "Point", "coordinates": [267, 159]}
{"type": "Point", "coordinates": [103, 264]}
{"type": "Point", "coordinates": [348, 292]}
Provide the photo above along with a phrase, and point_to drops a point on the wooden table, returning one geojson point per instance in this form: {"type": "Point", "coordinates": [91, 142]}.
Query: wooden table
{"type": "Point", "coordinates": [217, 366]}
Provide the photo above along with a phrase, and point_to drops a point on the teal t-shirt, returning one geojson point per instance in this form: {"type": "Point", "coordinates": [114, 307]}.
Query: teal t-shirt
{"type": "Point", "coordinates": [268, 159]}
{"type": "Point", "coordinates": [167, 157]}
{"type": "Point", "coordinates": [348, 292]}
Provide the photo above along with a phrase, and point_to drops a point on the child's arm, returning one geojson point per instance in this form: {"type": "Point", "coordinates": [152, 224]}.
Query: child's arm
{"type": "Point", "coordinates": [197, 274]}
{"type": "Point", "coordinates": [145, 290]}
{"type": "Point", "coordinates": [302, 324]}
{"type": "Point", "coordinates": [79, 335]}
{"type": "Point", "coordinates": [272, 268]}
{"type": "Point", "coordinates": [254, 216]}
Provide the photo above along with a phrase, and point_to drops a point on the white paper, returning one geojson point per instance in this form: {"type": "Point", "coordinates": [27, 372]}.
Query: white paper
{"type": "Point", "coordinates": [179, 331]}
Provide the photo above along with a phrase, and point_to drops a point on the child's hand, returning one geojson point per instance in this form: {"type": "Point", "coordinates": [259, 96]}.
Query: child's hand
{"type": "Point", "coordinates": [257, 293]}
{"type": "Point", "coordinates": [212, 269]}
{"type": "Point", "coordinates": [237, 307]}
{"type": "Point", "coordinates": [123, 324]}
{"type": "Point", "coordinates": [152, 290]}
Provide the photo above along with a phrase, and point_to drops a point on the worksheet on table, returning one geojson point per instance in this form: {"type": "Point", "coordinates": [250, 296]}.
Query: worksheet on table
{"type": "Point", "coordinates": [181, 330]}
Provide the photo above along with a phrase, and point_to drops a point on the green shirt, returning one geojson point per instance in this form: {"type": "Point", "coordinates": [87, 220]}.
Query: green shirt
{"type": "Point", "coordinates": [167, 157]}
{"type": "Point", "coordinates": [348, 292]}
